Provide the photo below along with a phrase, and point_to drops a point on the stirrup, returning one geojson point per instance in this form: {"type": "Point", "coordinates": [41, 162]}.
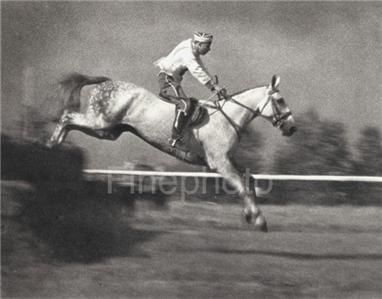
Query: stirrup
{"type": "Point", "coordinates": [177, 143]}
{"type": "Point", "coordinates": [172, 142]}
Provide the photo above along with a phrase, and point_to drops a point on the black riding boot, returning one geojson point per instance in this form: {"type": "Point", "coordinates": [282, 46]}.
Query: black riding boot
{"type": "Point", "coordinates": [177, 129]}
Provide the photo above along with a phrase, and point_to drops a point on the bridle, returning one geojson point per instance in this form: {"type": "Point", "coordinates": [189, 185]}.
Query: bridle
{"type": "Point", "coordinates": [278, 117]}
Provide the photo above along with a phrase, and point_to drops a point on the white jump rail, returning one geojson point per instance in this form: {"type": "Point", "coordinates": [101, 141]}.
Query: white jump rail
{"type": "Point", "coordinates": [333, 178]}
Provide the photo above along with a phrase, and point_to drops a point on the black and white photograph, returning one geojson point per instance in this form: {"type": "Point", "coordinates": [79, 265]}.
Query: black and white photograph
{"type": "Point", "coordinates": [191, 149]}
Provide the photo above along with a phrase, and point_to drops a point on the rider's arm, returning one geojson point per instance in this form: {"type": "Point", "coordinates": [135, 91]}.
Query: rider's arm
{"type": "Point", "coordinates": [198, 71]}
{"type": "Point", "coordinates": [210, 85]}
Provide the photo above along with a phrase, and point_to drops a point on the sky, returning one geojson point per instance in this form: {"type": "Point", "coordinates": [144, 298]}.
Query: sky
{"type": "Point", "coordinates": [328, 55]}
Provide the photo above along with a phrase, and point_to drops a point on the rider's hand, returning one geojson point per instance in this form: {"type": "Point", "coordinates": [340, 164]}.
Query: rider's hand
{"type": "Point", "coordinates": [220, 90]}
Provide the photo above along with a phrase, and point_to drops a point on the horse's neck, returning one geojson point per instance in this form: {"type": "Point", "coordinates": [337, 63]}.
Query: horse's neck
{"type": "Point", "coordinates": [251, 99]}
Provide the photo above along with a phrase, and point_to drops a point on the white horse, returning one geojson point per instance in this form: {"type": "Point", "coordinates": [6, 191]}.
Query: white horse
{"type": "Point", "coordinates": [114, 107]}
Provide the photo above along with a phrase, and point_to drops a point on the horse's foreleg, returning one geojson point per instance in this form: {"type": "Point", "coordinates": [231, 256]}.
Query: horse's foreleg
{"type": "Point", "coordinates": [251, 209]}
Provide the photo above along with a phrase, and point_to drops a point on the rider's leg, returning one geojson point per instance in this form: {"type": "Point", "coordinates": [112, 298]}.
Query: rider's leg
{"type": "Point", "coordinates": [173, 92]}
{"type": "Point", "coordinates": [179, 124]}
{"type": "Point", "coordinates": [166, 91]}
{"type": "Point", "coordinates": [184, 102]}
{"type": "Point", "coordinates": [181, 116]}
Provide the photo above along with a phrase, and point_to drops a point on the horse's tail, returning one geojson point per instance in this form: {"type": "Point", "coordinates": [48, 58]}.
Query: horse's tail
{"type": "Point", "coordinates": [69, 90]}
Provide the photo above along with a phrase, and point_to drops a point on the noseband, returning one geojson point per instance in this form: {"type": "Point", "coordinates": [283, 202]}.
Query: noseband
{"type": "Point", "coordinates": [278, 117]}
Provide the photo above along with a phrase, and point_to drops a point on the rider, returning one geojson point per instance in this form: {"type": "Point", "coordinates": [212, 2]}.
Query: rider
{"type": "Point", "coordinates": [184, 57]}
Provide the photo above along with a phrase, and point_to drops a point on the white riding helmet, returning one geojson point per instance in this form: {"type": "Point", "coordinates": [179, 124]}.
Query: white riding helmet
{"type": "Point", "coordinates": [203, 37]}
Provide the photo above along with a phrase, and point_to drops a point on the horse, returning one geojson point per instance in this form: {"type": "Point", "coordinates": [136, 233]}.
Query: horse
{"type": "Point", "coordinates": [114, 107]}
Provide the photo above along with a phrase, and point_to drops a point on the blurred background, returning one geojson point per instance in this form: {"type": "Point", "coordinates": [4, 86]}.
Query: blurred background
{"type": "Point", "coordinates": [327, 54]}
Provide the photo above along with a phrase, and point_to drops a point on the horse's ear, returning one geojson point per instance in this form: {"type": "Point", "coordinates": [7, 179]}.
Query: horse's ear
{"type": "Point", "coordinates": [275, 82]}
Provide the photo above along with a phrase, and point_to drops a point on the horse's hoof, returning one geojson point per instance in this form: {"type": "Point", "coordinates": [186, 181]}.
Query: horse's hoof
{"type": "Point", "coordinates": [261, 224]}
{"type": "Point", "coordinates": [248, 218]}
{"type": "Point", "coordinates": [49, 144]}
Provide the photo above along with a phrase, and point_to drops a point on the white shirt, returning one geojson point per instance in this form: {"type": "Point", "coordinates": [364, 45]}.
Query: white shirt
{"type": "Point", "coordinates": [180, 60]}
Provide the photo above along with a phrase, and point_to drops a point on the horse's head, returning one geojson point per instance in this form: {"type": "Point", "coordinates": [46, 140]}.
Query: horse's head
{"type": "Point", "coordinates": [274, 108]}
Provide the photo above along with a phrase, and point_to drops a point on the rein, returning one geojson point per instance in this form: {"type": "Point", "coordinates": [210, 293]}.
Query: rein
{"type": "Point", "coordinates": [233, 124]}
{"type": "Point", "coordinates": [278, 116]}
{"type": "Point", "coordinates": [219, 107]}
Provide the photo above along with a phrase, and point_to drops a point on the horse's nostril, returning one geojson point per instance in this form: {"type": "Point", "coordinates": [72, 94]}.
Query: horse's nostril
{"type": "Point", "coordinates": [292, 130]}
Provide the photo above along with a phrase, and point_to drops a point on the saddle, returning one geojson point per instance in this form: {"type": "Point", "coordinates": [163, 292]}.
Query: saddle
{"type": "Point", "coordinates": [196, 113]}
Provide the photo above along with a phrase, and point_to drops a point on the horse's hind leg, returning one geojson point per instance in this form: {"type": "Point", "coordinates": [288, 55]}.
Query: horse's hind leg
{"type": "Point", "coordinates": [59, 133]}
{"type": "Point", "coordinates": [68, 121]}
{"type": "Point", "coordinates": [251, 210]}
{"type": "Point", "coordinates": [88, 124]}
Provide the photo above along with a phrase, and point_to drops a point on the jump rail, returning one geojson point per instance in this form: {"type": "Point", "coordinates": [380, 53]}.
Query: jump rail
{"type": "Point", "coordinates": [336, 178]}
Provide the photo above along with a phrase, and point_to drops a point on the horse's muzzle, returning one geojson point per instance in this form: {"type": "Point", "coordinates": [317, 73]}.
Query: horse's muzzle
{"type": "Point", "coordinates": [290, 132]}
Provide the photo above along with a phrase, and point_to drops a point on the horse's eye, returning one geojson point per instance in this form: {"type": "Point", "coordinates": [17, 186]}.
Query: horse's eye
{"type": "Point", "coordinates": [281, 101]}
